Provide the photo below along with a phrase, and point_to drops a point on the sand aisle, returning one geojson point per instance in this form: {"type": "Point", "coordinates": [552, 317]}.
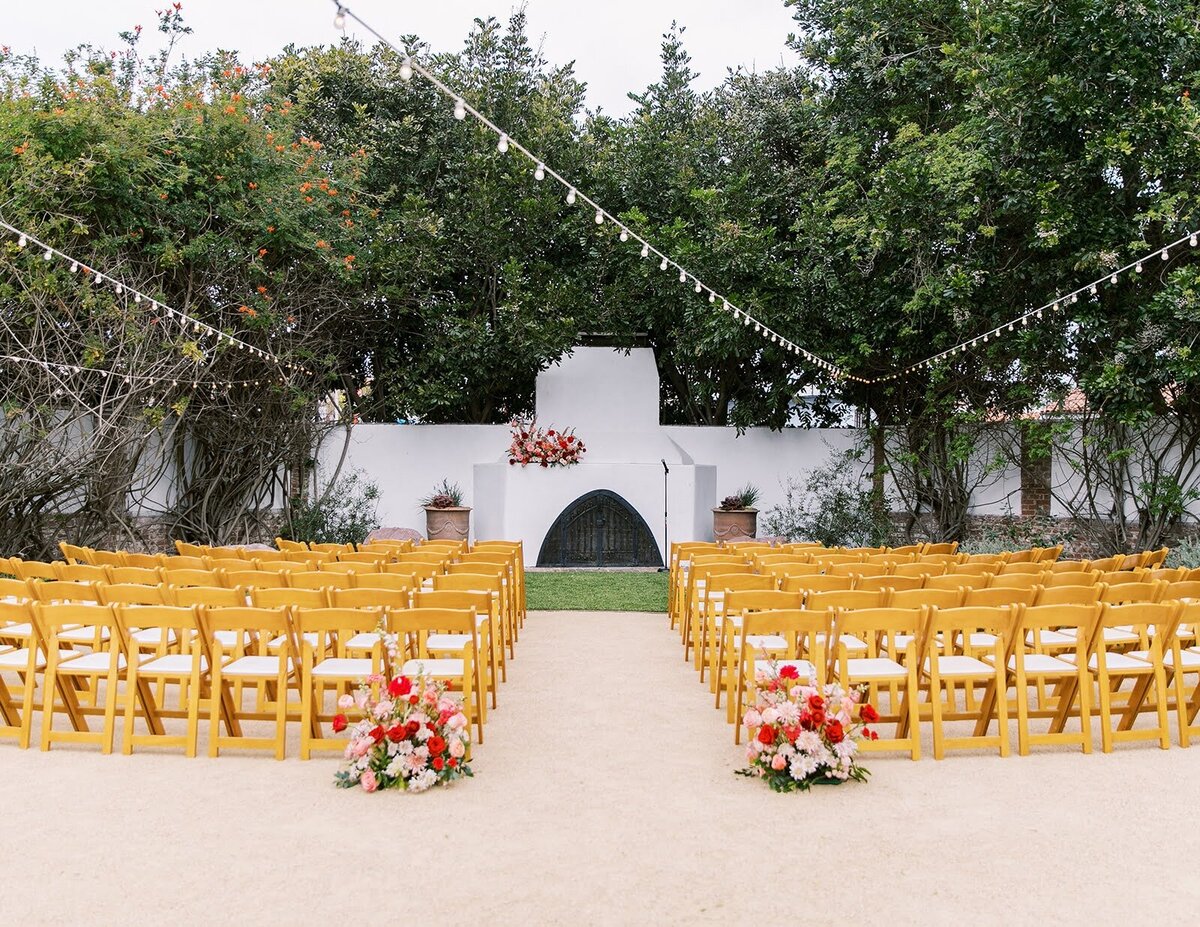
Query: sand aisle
{"type": "Point", "coordinates": [604, 795]}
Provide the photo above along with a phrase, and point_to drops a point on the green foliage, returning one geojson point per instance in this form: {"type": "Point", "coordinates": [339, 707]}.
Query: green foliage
{"type": "Point", "coordinates": [1185, 553]}
{"type": "Point", "coordinates": [600, 590]}
{"type": "Point", "coordinates": [834, 505]}
{"type": "Point", "coordinates": [1009, 533]}
{"type": "Point", "coordinates": [345, 513]}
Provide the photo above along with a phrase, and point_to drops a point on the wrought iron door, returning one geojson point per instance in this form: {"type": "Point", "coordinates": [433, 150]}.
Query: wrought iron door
{"type": "Point", "coordinates": [599, 529]}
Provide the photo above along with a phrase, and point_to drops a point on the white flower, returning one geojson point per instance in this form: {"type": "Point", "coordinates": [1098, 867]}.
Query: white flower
{"type": "Point", "coordinates": [422, 780]}
{"type": "Point", "coordinates": [846, 749]}
{"type": "Point", "coordinates": [770, 716]}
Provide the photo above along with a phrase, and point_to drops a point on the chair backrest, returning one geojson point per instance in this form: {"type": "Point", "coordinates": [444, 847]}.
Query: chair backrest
{"type": "Point", "coordinates": [1067, 595]}
{"type": "Point", "coordinates": [253, 579]}
{"type": "Point", "coordinates": [875, 583]}
{"type": "Point", "coordinates": [18, 590]}
{"type": "Point", "coordinates": [880, 629]}
{"type": "Point", "coordinates": [482, 602]}
{"type": "Point", "coordinates": [167, 617]}
{"type": "Point", "coordinates": [289, 598]}
{"type": "Point", "coordinates": [255, 630]}
{"type": "Point", "coordinates": [33, 569]}
{"type": "Point", "coordinates": [370, 598]}
{"type": "Point", "coordinates": [998, 597]}
{"type": "Point", "coordinates": [805, 631]}
{"type": "Point", "coordinates": [134, 594]}
{"type": "Point", "coordinates": [1028, 566]}
{"type": "Point", "coordinates": [752, 600]}
{"type": "Point", "coordinates": [54, 591]}
{"type": "Point", "coordinates": [858, 569]}
{"type": "Point", "coordinates": [114, 558]}
{"type": "Point", "coordinates": [81, 573]}
{"type": "Point", "coordinates": [977, 568]}
{"type": "Point", "coordinates": [285, 545]}
{"type": "Point", "coordinates": [790, 568]}
{"type": "Point", "coordinates": [1187, 589]}
{"type": "Point", "coordinates": [1152, 559]}
{"type": "Point", "coordinates": [384, 546]}
{"type": "Point", "coordinates": [215, 596]}
{"type": "Point", "coordinates": [397, 581]}
{"type": "Point", "coordinates": [330, 566]}
{"type": "Point", "coordinates": [958, 581]}
{"type": "Point", "coordinates": [437, 557]}
{"type": "Point", "coordinates": [907, 549]}
{"type": "Point", "coordinates": [331, 548]}
{"type": "Point", "coordinates": [1168, 574]}
{"type": "Point", "coordinates": [145, 576]}
{"type": "Point", "coordinates": [1116, 577]}
{"type": "Point", "coordinates": [267, 556]}
{"type": "Point", "coordinates": [1016, 580]}
{"type": "Point", "coordinates": [920, 568]}
{"type": "Point", "coordinates": [1068, 566]}
{"type": "Point", "coordinates": [736, 582]}
{"type": "Point", "coordinates": [308, 559]}
{"type": "Point", "coordinates": [183, 563]}
{"type": "Point", "coordinates": [272, 566]}
{"type": "Point", "coordinates": [484, 569]}
{"type": "Point", "coordinates": [843, 599]}
{"type": "Point", "coordinates": [146, 561]}
{"type": "Point", "coordinates": [828, 560]}
{"type": "Point", "coordinates": [423, 621]}
{"type": "Point", "coordinates": [453, 546]}
{"type": "Point", "coordinates": [1022, 556]}
{"type": "Point", "coordinates": [468, 582]}
{"type": "Point", "coordinates": [764, 560]}
{"type": "Point", "coordinates": [993, 559]}
{"type": "Point", "coordinates": [1132, 592]}
{"type": "Point", "coordinates": [1072, 578]}
{"type": "Point", "coordinates": [1154, 622]}
{"type": "Point", "coordinates": [75, 553]}
{"type": "Point", "coordinates": [948, 627]}
{"type": "Point", "coordinates": [1076, 616]}
{"type": "Point", "coordinates": [942, 547]}
{"type": "Point", "coordinates": [189, 550]}
{"type": "Point", "coordinates": [228, 563]}
{"type": "Point", "coordinates": [336, 624]}
{"type": "Point", "coordinates": [1107, 564]}
{"type": "Point", "coordinates": [919, 598]}
{"type": "Point", "coordinates": [50, 619]}
{"type": "Point", "coordinates": [421, 571]}
{"type": "Point", "coordinates": [314, 579]}
{"type": "Point", "coordinates": [190, 577]}
{"type": "Point", "coordinates": [820, 583]}
{"type": "Point", "coordinates": [364, 557]}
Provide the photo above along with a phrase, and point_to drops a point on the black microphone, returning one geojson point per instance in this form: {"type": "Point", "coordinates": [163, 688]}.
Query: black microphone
{"type": "Point", "coordinates": [666, 469]}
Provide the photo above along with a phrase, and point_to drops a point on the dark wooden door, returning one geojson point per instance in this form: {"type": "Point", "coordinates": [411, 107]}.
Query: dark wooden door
{"type": "Point", "coordinates": [599, 529]}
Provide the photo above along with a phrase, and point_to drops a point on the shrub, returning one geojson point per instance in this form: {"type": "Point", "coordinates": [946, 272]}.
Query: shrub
{"type": "Point", "coordinates": [445, 495]}
{"type": "Point", "coordinates": [834, 505]}
{"type": "Point", "coordinates": [1185, 553]}
{"type": "Point", "coordinates": [346, 513]}
{"type": "Point", "coordinates": [744, 498]}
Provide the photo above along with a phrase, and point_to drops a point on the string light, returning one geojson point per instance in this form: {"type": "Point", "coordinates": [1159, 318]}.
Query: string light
{"type": "Point", "coordinates": [502, 145]}
{"type": "Point", "coordinates": [406, 70]}
{"type": "Point", "coordinates": [339, 20]}
{"type": "Point", "coordinates": [197, 326]}
{"type": "Point", "coordinates": [460, 112]}
{"type": "Point", "coordinates": [127, 378]}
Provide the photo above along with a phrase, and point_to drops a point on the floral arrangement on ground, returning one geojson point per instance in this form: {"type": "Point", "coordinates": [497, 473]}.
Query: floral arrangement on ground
{"type": "Point", "coordinates": [802, 735]}
{"type": "Point", "coordinates": [412, 735]}
{"type": "Point", "coordinates": [546, 448]}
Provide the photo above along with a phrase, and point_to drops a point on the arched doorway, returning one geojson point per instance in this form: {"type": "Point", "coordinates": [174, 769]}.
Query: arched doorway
{"type": "Point", "coordinates": [599, 529]}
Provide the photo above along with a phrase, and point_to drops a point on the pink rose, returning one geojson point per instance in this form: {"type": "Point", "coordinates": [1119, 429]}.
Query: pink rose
{"type": "Point", "coordinates": [457, 722]}
{"type": "Point", "coordinates": [368, 781]}
{"type": "Point", "coordinates": [345, 702]}
{"type": "Point", "coordinates": [778, 762]}
{"type": "Point", "coordinates": [360, 747]}
{"type": "Point", "coordinates": [457, 749]}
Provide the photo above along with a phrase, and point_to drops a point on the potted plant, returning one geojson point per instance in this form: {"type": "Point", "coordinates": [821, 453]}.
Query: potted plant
{"type": "Point", "coordinates": [446, 518]}
{"type": "Point", "coordinates": [736, 518]}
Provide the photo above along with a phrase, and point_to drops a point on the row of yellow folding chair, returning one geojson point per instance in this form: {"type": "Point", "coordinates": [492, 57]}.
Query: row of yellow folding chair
{"type": "Point", "coordinates": [441, 642]}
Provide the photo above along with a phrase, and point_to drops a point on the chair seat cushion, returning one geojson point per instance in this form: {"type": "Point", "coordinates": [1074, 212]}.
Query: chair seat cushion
{"type": "Point", "coordinates": [173, 664]}
{"type": "Point", "coordinates": [153, 635]}
{"type": "Point", "coordinates": [344, 668]}
{"type": "Point", "coordinates": [865, 668]}
{"type": "Point", "coordinates": [365, 640]}
{"type": "Point", "coordinates": [766, 641]}
{"type": "Point", "coordinates": [1188, 659]}
{"type": "Point", "coordinates": [17, 631]}
{"type": "Point", "coordinates": [19, 659]}
{"type": "Point", "coordinates": [91, 663]}
{"type": "Point", "coordinates": [447, 641]}
{"type": "Point", "coordinates": [1064, 638]}
{"type": "Point", "coordinates": [961, 667]}
{"type": "Point", "coordinates": [83, 635]}
{"type": "Point", "coordinates": [255, 666]}
{"type": "Point", "coordinates": [1116, 662]}
{"type": "Point", "coordinates": [1040, 664]}
{"type": "Point", "coordinates": [433, 667]}
{"type": "Point", "coordinates": [849, 641]}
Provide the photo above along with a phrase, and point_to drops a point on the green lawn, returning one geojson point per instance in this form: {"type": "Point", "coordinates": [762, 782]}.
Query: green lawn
{"type": "Point", "coordinates": [604, 591]}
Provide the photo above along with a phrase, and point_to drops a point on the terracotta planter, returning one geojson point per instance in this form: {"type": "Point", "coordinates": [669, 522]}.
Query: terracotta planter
{"type": "Point", "coordinates": [448, 524]}
{"type": "Point", "coordinates": [734, 524]}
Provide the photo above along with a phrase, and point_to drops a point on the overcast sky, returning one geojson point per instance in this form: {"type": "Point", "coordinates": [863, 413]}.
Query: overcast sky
{"type": "Point", "coordinates": [615, 44]}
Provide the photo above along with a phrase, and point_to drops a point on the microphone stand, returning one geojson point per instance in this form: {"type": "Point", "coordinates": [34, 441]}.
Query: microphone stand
{"type": "Point", "coordinates": [666, 544]}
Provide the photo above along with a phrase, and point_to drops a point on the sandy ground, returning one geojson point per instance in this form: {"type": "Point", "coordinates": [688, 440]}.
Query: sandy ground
{"type": "Point", "coordinates": [604, 794]}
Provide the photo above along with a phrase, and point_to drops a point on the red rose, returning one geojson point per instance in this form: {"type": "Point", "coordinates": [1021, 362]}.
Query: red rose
{"type": "Point", "coordinates": [766, 734]}
{"type": "Point", "coordinates": [412, 699]}
{"type": "Point", "coordinates": [791, 733]}
{"type": "Point", "coordinates": [394, 688]}
{"type": "Point", "coordinates": [818, 717]}
{"type": "Point", "coordinates": [412, 727]}
{"type": "Point", "coordinates": [789, 672]}
{"type": "Point", "coordinates": [815, 702]}
{"type": "Point", "coordinates": [397, 733]}
{"type": "Point", "coordinates": [806, 720]}
{"type": "Point", "coordinates": [874, 735]}
{"type": "Point", "coordinates": [377, 733]}
{"type": "Point", "coordinates": [436, 745]}
{"type": "Point", "coordinates": [339, 723]}
{"type": "Point", "coordinates": [438, 763]}
{"type": "Point", "coordinates": [834, 733]}
{"type": "Point", "coordinates": [868, 713]}
{"type": "Point", "coordinates": [452, 762]}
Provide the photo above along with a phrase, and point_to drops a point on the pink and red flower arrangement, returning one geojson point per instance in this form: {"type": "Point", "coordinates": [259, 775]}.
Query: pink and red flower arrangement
{"type": "Point", "coordinates": [412, 734]}
{"type": "Point", "coordinates": [546, 448]}
{"type": "Point", "coordinates": [802, 735]}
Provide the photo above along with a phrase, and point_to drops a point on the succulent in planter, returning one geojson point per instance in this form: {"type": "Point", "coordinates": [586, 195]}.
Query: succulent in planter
{"type": "Point", "coordinates": [446, 495]}
{"type": "Point", "coordinates": [744, 498]}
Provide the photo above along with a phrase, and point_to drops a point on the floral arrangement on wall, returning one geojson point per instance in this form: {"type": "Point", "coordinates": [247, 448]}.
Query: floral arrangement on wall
{"type": "Point", "coordinates": [544, 447]}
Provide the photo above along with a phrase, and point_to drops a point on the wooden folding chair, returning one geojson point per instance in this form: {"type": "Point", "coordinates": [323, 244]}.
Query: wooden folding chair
{"type": "Point", "coordinates": [445, 630]}
{"type": "Point", "coordinates": [24, 660]}
{"type": "Point", "coordinates": [250, 661]}
{"type": "Point", "coordinates": [285, 545]}
{"type": "Point", "coordinates": [188, 670]}
{"type": "Point", "coordinates": [33, 569]}
{"type": "Point", "coordinates": [145, 576]}
{"type": "Point", "coordinates": [895, 583]}
{"type": "Point", "coordinates": [710, 611]}
{"type": "Point", "coordinates": [81, 573]}
{"type": "Point", "coordinates": [487, 616]}
{"type": "Point", "coordinates": [253, 579]}
{"type": "Point", "coordinates": [735, 605]}
{"type": "Point", "coordinates": [331, 629]}
{"type": "Point", "coordinates": [397, 581]}
{"type": "Point", "coordinates": [778, 637]}
{"type": "Point", "coordinates": [74, 553]}
{"type": "Point", "coordinates": [959, 581]}
{"type": "Point", "coordinates": [817, 583]}
{"type": "Point", "coordinates": [493, 586]}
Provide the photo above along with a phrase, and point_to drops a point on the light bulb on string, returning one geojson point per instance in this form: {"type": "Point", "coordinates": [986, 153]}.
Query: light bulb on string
{"type": "Point", "coordinates": [137, 297]}
{"type": "Point", "coordinates": [1166, 255]}
{"type": "Point", "coordinates": [74, 267]}
{"type": "Point", "coordinates": [1113, 279]}
{"type": "Point", "coordinates": [712, 297]}
{"type": "Point", "coordinates": [645, 250]}
{"type": "Point", "coordinates": [502, 144]}
{"type": "Point", "coordinates": [48, 255]}
{"type": "Point", "coordinates": [1092, 289]}
{"type": "Point", "coordinates": [663, 265]}
{"type": "Point", "coordinates": [571, 195]}
{"type": "Point", "coordinates": [624, 234]}
{"type": "Point", "coordinates": [460, 109]}
{"type": "Point", "coordinates": [698, 287]}
{"type": "Point", "coordinates": [22, 241]}
{"type": "Point", "coordinates": [406, 70]}
{"type": "Point", "coordinates": [599, 217]}
{"type": "Point", "coordinates": [118, 289]}
{"type": "Point", "coordinates": [539, 172]}
{"type": "Point", "coordinates": [1193, 240]}
{"type": "Point", "coordinates": [1137, 268]}
{"type": "Point", "coordinates": [98, 278]}
{"type": "Point", "coordinates": [339, 20]}
{"type": "Point", "coordinates": [1074, 297]}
